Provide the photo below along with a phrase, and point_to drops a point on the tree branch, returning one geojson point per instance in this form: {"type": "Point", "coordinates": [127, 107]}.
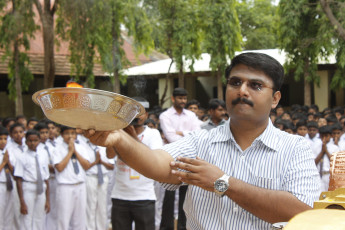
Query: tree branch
{"type": "Point", "coordinates": [334, 22]}
{"type": "Point", "coordinates": [39, 7]}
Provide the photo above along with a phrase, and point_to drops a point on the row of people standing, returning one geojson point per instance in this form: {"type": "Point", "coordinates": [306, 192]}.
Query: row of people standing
{"type": "Point", "coordinates": [61, 182]}
{"type": "Point", "coordinates": [324, 131]}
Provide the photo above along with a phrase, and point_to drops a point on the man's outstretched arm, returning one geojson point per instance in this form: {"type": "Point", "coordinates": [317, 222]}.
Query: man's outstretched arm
{"type": "Point", "coordinates": [270, 205]}
{"type": "Point", "coordinates": [154, 164]}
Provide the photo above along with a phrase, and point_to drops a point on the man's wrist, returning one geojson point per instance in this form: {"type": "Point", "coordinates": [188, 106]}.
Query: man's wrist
{"type": "Point", "coordinates": [221, 185]}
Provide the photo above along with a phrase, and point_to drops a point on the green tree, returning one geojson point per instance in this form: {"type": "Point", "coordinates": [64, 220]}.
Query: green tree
{"type": "Point", "coordinates": [176, 32]}
{"type": "Point", "coordinates": [303, 39]}
{"type": "Point", "coordinates": [16, 28]}
{"type": "Point", "coordinates": [334, 17]}
{"type": "Point", "coordinates": [81, 24]}
{"type": "Point", "coordinates": [222, 35]}
{"type": "Point", "coordinates": [258, 24]}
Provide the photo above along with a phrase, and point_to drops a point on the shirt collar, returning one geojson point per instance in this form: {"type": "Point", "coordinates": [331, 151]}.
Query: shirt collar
{"type": "Point", "coordinates": [174, 110]}
{"type": "Point", "coordinates": [267, 138]}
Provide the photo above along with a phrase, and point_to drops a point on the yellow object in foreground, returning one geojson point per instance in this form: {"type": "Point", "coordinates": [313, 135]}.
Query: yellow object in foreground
{"type": "Point", "coordinates": [318, 219]}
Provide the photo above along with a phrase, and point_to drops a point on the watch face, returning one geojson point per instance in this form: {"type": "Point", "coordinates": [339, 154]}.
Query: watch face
{"type": "Point", "coordinates": [221, 186]}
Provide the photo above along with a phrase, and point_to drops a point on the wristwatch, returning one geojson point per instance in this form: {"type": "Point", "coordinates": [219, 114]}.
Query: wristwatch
{"type": "Point", "coordinates": [221, 185]}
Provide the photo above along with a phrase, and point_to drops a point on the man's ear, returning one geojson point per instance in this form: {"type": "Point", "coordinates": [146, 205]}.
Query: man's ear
{"type": "Point", "coordinates": [173, 99]}
{"type": "Point", "coordinates": [276, 98]}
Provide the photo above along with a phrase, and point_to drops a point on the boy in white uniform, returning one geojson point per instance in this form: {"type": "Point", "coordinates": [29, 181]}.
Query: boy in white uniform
{"type": "Point", "coordinates": [322, 160]}
{"type": "Point", "coordinates": [6, 184]}
{"type": "Point", "coordinates": [49, 150]}
{"type": "Point", "coordinates": [133, 194]}
{"type": "Point", "coordinates": [70, 162]}
{"type": "Point", "coordinates": [96, 185]}
{"type": "Point", "coordinates": [32, 173]}
{"type": "Point", "coordinates": [16, 147]}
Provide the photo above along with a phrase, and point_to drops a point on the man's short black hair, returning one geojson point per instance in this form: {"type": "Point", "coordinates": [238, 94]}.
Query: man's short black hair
{"type": "Point", "coordinates": [63, 128]}
{"type": "Point", "coordinates": [193, 102]}
{"type": "Point", "coordinates": [214, 103]}
{"type": "Point", "coordinates": [41, 125]}
{"type": "Point", "coordinates": [3, 131]}
{"type": "Point", "coordinates": [262, 62]}
{"type": "Point", "coordinates": [15, 125]}
{"type": "Point", "coordinates": [32, 132]}
{"type": "Point", "coordinates": [180, 92]}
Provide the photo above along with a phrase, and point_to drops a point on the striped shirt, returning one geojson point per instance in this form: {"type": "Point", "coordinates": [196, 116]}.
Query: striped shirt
{"type": "Point", "coordinates": [276, 160]}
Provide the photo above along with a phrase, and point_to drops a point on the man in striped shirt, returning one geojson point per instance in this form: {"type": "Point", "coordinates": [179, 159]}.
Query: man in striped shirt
{"type": "Point", "coordinates": [245, 174]}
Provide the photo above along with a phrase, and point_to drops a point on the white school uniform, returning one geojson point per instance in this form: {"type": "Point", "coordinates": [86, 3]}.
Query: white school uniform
{"type": "Point", "coordinates": [71, 190]}
{"type": "Point", "coordinates": [16, 151]}
{"type": "Point", "coordinates": [332, 148]}
{"type": "Point", "coordinates": [6, 198]}
{"type": "Point", "coordinates": [96, 210]}
{"type": "Point", "coordinates": [50, 222]}
{"type": "Point", "coordinates": [26, 169]}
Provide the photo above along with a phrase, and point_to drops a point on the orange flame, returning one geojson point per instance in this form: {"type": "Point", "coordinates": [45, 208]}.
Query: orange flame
{"type": "Point", "coordinates": [73, 84]}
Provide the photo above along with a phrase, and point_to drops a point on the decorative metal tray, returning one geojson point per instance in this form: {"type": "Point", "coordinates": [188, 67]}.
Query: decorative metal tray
{"type": "Point", "coordinates": [86, 108]}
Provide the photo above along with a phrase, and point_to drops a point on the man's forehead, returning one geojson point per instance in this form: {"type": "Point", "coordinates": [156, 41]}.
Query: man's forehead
{"type": "Point", "coordinates": [247, 73]}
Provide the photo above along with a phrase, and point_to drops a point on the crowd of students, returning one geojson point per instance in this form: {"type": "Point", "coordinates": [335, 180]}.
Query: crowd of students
{"type": "Point", "coordinates": [52, 177]}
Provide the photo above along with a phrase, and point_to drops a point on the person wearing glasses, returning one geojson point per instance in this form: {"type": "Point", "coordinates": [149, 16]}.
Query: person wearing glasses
{"type": "Point", "coordinates": [245, 174]}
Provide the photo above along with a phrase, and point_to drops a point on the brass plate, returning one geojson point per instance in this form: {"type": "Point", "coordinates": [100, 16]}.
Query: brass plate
{"type": "Point", "coordinates": [88, 108]}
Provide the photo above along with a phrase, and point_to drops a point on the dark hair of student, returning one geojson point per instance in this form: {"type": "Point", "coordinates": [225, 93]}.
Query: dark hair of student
{"type": "Point", "coordinates": [15, 125]}
{"type": "Point", "coordinates": [32, 132]}
{"type": "Point", "coordinates": [3, 131]}
{"type": "Point", "coordinates": [41, 125]}
{"type": "Point", "coordinates": [337, 126]}
{"type": "Point", "coordinates": [325, 130]}
{"type": "Point", "coordinates": [193, 102]}
{"type": "Point", "coordinates": [214, 103]}
{"type": "Point", "coordinates": [20, 117]}
{"type": "Point", "coordinates": [312, 124]}
{"type": "Point", "coordinates": [32, 119]}
{"type": "Point", "coordinates": [7, 120]}
{"type": "Point", "coordinates": [262, 62]}
{"type": "Point", "coordinates": [301, 123]}
{"type": "Point", "coordinates": [63, 128]}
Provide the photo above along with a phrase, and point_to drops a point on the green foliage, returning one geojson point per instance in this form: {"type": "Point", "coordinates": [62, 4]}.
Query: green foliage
{"type": "Point", "coordinates": [176, 28]}
{"type": "Point", "coordinates": [222, 33]}
{"type": "Point", "coordinates": [258, 20]}
{"type": "Point", "coordinates": [24, 72]}
{"type": "Point", "coordinates": [17, 26]}
{"type": "Point", "coordinates": [301, 37]}
{"type": "Point", "coordinates": [89, 26]}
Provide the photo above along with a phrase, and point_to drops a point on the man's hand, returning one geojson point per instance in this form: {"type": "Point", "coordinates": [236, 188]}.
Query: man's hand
{"type": "Point", "coordinates": [103, 138]}
{"type": "Point", "coordinates": [199, 172]}
{"type": "Point", "coordinates": [131, 131]}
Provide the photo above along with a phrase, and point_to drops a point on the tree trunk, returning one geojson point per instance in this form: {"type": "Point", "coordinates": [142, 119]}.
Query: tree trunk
{"type": "Point", "coordinates": [181, 77]}
{"type": "Point", "coordinates": [115, 35]}
{"type": "Point", "coordinates": [307, 85]}
{"type": "Point", "coordinates": [220, 92]}
{"type": "Point", "coordinates": [48, 42]}
{"type": "Point", "coordinates": [18, 83]}
{"type": "Point", "coordinates": [164, 96]}
{"type": "Point", "coordinates": [333, 20]}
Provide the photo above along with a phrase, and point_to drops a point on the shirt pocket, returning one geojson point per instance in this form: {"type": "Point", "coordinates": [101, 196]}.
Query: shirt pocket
{"type": "Point", "coordinates": [267, 183]}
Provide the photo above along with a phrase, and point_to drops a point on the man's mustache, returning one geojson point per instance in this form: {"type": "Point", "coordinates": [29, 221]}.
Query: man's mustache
{"type": "Point", "coordinates": [242, 99]}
